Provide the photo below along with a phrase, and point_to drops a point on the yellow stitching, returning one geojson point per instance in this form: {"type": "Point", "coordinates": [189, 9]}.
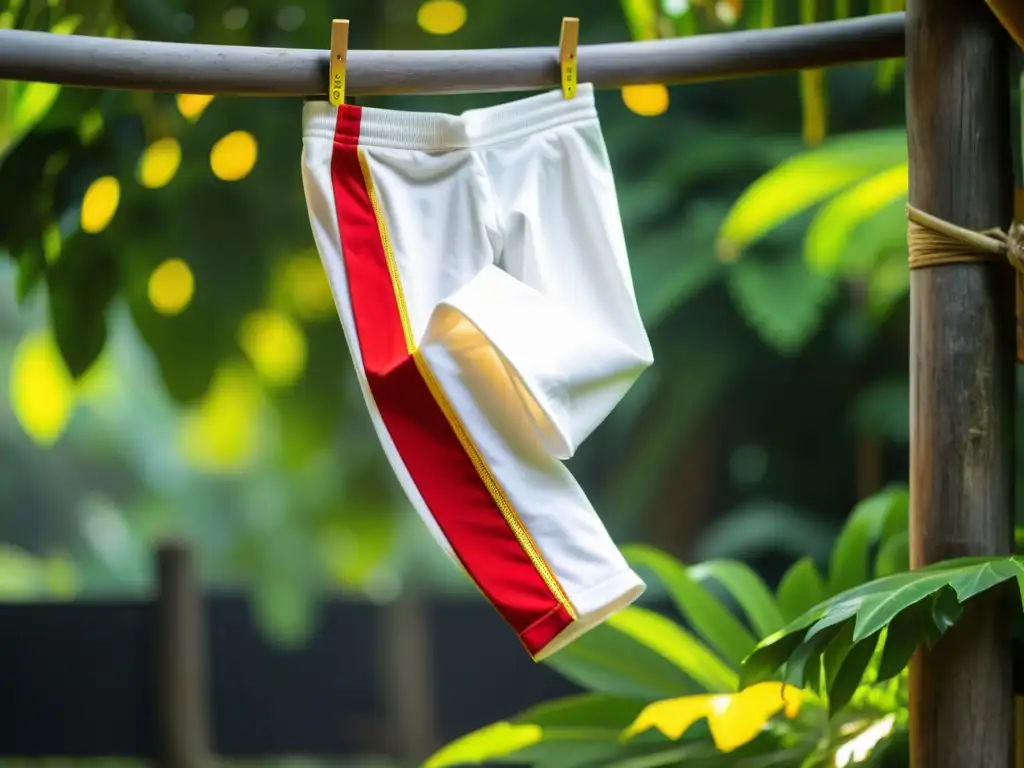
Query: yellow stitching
{"type": "Point", "coordinates": [497, 494]}
{"type": "Point", "coordinates": [500, 500]}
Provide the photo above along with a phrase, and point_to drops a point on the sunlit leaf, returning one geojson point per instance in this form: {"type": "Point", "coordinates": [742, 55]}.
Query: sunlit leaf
{"type": "Point", "coordinates": [734, 719]}
{"type": "Point", "coordinates": [41, 389]}
{"type": "Point", "coordinates": [276, 346]}
{"type": "Point", "coordinates": [159, 163]}
{"type": "Point", "coordinates": [608, 660]}
{"type": "Point", "coordinates": [642, 18]}
{"type": "Point", "coordinates": [222, 434]}
{"type": "Point", "coordinates": [569, 731]}
{"type": "Point", "coordinates": [233, 156]}
{"type": "Point", "coordinates": [805, 180]}
{"type": "Point", "coordinates": [676, 645]}
{"type": "Point", "coordinates": [100, 204]}
{"type": "Point", "coordinates": [710, 618]}
{"type": "Point", "coordinates": [645, 100]}
{"type": "Point", "coordinates": [192, 105]}
{"type": "Point", "coordinates": [441, 17]}
{"type": "Point", "coordinates": [837, 221]}
{"type": "Point", "coordinates": [300, 286]}
{"type": "Point", "coordinates": [171, 286]}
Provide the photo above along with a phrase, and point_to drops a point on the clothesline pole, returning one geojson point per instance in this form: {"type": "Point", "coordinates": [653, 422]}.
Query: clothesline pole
{"type": "Point", "coordinates": [961, 375]}
{"type": "Point", "coordinates": [240, 70]}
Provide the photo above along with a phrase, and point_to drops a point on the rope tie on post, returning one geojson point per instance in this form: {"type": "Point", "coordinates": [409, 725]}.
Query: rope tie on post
{"type": "Point", "coordinates": [932, 242]}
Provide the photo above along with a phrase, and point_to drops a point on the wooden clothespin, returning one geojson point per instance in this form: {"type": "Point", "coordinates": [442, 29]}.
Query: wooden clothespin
{"type": "Point", "coordinates": [339, 55]}
{"type": "Point", "coordinates": [567, 54]}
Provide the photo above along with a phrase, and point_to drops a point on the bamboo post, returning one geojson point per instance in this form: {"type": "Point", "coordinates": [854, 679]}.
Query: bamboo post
{"type": "Point", "coordinates": [961, 374]}
{"type": "Point", "coordinates": [182, 738]}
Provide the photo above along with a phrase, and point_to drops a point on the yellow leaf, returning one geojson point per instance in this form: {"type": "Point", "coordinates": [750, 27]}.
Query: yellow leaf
{"type": "Point", "coordinates": [441, 17]}
{"type": "Point", "coordinates": [734, 719]}
{"type": "Point", "coordinates": [192, 105]}
{"type": "Point", "coordinates": [805, 180]}
{"type": "Point", "coordinates": [222, 434]}
{"type": "Point", "coordinates": [35, 101]}
{"type": "Point", "coordinates": [99, 204]}
{"type": "Point", "coordinates": [646, 100]}
{"type": "Point", "coordinates": [494, 741]}
{"type": "Point", "coordinates": [834, 225]}
{"type": "Point", "coordinates": [276, 346]}
{"type": "Point", "coordinates": [673, 717]}
{"type": "Point", "coordinates": [159, 163]}
{"type": "Point", "coordinates": [301, 286]}
{"type": "Point", "coordinates": [738, 719]}
{"type": "Point", "coordinates": [171, 286]}
{"type": "Point", "coordinates": [41, 389]}
{"type": "Point", "coordinates": [233, 157]}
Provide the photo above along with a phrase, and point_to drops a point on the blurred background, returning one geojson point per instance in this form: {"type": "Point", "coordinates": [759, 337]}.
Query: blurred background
{"type": "Point", "coordinates": [172, 364]}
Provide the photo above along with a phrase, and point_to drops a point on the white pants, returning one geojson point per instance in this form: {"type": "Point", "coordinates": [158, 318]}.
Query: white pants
{"type": "Point", "coordinates": [480, 273]}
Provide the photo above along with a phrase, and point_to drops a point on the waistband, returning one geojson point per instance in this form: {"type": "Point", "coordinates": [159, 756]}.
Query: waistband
{"type": "Point", "coordinates": [437, 131]}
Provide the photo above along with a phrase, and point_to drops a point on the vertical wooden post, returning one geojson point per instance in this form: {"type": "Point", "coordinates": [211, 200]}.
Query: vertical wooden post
{"type": "Point", "coordinates": [961, 374]}
{"type": "Point", "coordinates": [182, 739]}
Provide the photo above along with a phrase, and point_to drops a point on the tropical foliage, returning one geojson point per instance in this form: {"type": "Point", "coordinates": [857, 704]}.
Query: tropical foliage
{"type": "Point", "coordinates": [662, 692]}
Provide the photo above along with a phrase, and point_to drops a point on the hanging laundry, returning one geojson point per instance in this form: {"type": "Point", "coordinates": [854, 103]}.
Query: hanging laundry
{"type": "Point", "coordinates": [480, 273]}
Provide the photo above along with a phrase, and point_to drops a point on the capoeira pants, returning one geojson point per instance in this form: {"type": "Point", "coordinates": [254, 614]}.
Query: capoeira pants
{"type": "Point", "coordinates": [479, 269]}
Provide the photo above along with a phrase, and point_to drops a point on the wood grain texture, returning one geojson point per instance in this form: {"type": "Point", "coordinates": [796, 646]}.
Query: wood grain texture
{"type": "Point", "coordinates": [961, 374]}
{"type": "Point", "coordinates": [241, 70]}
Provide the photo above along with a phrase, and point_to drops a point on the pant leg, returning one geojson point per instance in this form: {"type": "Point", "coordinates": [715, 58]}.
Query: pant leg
{"type": "Point", "coordinates": [402, 221]}
{"type": "Point", "coordinates": [536, 349]}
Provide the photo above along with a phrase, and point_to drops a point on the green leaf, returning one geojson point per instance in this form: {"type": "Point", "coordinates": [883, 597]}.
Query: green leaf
{"type": "Point", "coordinates": [747, 589]}
{"type": "Point", "coordinates": [902, 637]}
{"type": "Point", "coordinates": [872, 606]}
{"type": "Point", "coordinates": [849, 673]}
{"type": "Point", "coordinates": [564, 732]}
{"type": "Point", "coordinates": [781, 299]}
{"type": "Point", "coordinates": [493, 743]}
{"type": "Point", "coordinates": [893, 556]}
{"type": "Point", "coordinates": [827, 237]}
{"type": "Point", "coordinates": [803, 667]}
{"type": "Point", "coordinates": [800, 588]}
{"type": "Point", "coordinates": [709, 618]}
{"type": "Point", "coordinates": [676, 645]}
{"type": "Point", "coordinates": [607, 660]}
{"type": "Point", "coordinates": [849, 563]}
{"type": "Point", "coordinates": [805, 180]}
{"type": "Point", "coordinates": [81, 285]}
{"type": "Point", "coordinates": [642, 18]}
